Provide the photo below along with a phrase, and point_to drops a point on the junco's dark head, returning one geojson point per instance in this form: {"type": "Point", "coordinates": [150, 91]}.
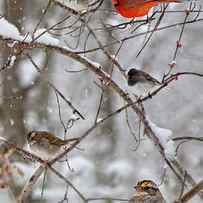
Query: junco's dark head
{"type": "Point", "coordinates": [133, 76]}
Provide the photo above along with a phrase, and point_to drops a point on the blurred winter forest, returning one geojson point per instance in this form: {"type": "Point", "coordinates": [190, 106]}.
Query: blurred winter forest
{"type": "Point", "coordinates": [70, 79]}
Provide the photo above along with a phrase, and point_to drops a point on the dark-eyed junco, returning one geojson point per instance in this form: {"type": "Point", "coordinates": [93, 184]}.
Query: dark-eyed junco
{"type": "Point", "coordinates": [137, 76]}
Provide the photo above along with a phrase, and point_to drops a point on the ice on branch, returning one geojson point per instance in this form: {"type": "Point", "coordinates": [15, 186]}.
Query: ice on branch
{"type": "Point", "coordinates": [165, 138]}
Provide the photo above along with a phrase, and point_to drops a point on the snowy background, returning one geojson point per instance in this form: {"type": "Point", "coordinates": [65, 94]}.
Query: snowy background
{"type": "Point", "coordinates": [110, 161]}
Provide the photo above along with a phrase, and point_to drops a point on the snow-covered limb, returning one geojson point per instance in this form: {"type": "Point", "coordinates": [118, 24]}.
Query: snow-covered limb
{"type": "Point", "coordinates": [165, 137]}
{"type": "Point", "coordinates": [43, 36]}
{"type": "Point", "coordinates": [41, 39]}
{"type": "Point", "coordinates": [10, 31]}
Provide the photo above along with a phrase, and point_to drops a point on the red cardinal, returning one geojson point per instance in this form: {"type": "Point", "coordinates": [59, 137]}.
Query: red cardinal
{"type": "Point", "coordinates": [137, 8]}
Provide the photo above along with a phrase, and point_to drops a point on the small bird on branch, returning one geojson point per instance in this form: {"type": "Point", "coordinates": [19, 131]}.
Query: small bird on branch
{"type": "Point", "coordinates": [142, 80]}
{"type": "Point", "coordinates": [138, 8]}
{"type": "Point", "coordinates": [147, 192]}
{"type": "Point", "coordinates": [45, 144]}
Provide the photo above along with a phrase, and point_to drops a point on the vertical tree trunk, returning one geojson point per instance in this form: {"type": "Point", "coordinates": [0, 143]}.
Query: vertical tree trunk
{"type": "Point", "coordinates": [12, 108]}
{"type": "Point", "coordinates": [108, 128]}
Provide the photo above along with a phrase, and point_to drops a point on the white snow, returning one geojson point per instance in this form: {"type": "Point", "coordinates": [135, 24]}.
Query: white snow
{"type": "Point", "coordinates": [74, 116]}
{"type": "Point", "coordinates": [165, 137]}
{"type": "Point", "coordinates": [45, 37]}
{"type": "Point", "coordinates": [8, 30]}
{"type": "Point", "coordinates": [11, 122]}
{"type": "Point", "coordinates": [170, 150]}
{"type": "Point", "coordinates": [99, 119]}
{"type": "Point", "coordinates": [172, 63]}
{"type": "Point", "coordinates": [13, 59]}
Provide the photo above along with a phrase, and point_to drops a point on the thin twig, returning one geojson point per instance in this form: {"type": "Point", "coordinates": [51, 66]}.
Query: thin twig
{"type": "Point", "coordinates": [57, 91]}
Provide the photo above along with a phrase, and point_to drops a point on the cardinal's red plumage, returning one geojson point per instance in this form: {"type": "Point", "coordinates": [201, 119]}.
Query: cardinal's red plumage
{"type": "Point", "coordinates": [137, 8]}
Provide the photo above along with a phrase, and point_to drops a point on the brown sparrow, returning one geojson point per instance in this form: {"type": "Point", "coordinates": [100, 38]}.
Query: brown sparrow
{"type": "Point", "coordinates": [45, 144]}
{"type": "Point", "coordinates": [147, 192]}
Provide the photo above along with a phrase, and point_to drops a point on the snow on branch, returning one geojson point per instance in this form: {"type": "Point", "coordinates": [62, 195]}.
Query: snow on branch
{"type": "Point", "coordinates": [165, 137]}
{"type": "Point", "coordinates": [10, 31]}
